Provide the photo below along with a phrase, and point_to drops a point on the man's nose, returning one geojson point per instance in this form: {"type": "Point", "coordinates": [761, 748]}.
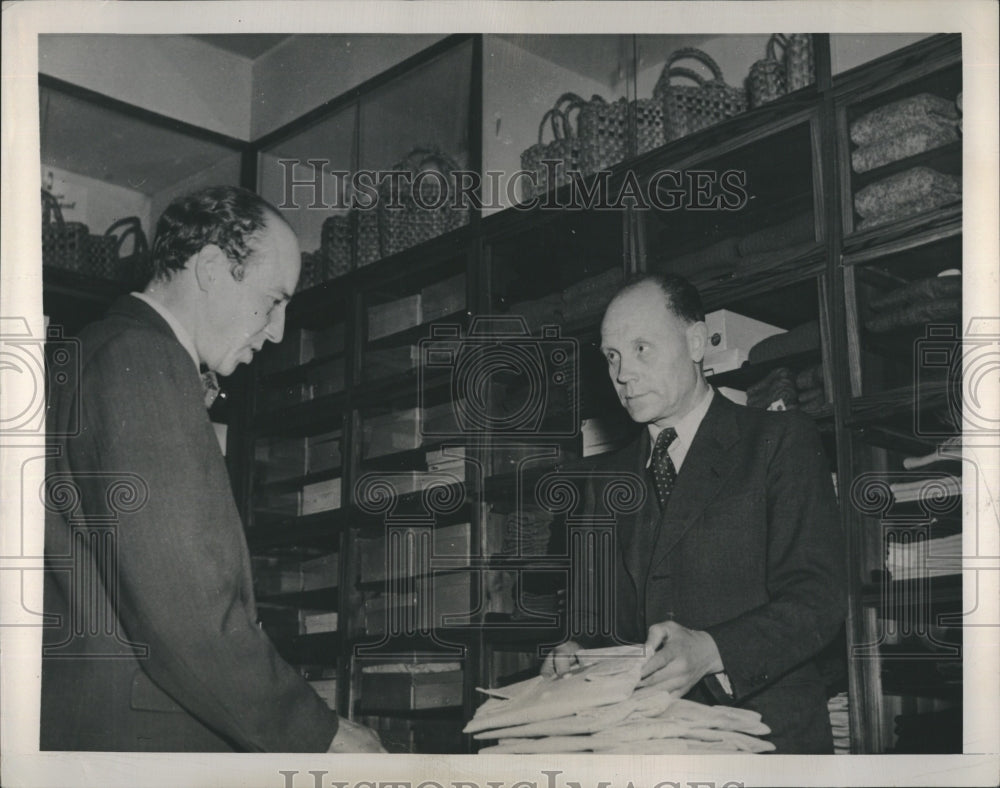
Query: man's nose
{"type": "Point", "coordinates": [275, 329]}
{"type": "Point", "coordinates": [625, 372]}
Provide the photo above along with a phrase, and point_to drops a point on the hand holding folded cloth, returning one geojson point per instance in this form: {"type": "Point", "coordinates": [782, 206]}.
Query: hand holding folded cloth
{"type": "Point", "coordinates": [597, 708]}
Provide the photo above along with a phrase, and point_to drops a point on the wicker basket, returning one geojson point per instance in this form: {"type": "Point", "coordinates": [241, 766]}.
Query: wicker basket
{"type": "Point", "coordinates": [649, 132]}
{"type": "Point", "coordinates": [603, 134]}
{"type": "Point", "coordinates": [64, 244]}
{"type": "Point", "coordinates": [311, 273]}
{"type": "Point", "coordinates": [136, 267]}
{"type": "Point", "coordinates": [688, 108]}
{"type": "Point", "coordinates": [425, 214]}
{"type": "Point", "coordinates": [563, 149]}
{"type": "Point", "coordinates": [368, 246]}
{"type": "Point", "coordinates": [767, 79]}
{"type": "Point", "coordinates": [800, 65]}
{"type": "Point", "coordinates": [336, 242]}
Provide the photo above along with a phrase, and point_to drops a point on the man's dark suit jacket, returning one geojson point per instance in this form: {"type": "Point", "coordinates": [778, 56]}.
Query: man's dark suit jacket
{"type": "Point", "coordinates": [153, 642]}
{"type": "Point", "coordinates": [750, 550]}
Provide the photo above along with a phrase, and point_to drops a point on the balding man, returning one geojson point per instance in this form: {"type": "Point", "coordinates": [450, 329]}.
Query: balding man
{"type": "Point", "coordinates": [732, 572]}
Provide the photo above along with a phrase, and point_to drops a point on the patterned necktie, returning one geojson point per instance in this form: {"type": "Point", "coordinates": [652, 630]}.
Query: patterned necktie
{"type": "Point", "coordinates": [210, 383]}
{"type": "Point", "coordinates": [664, 472]}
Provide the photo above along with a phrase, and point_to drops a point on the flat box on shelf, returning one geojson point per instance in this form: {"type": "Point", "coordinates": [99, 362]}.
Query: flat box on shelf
{"type": "Point", "coordinates": [321, 496]}
{"type": "Point", "coordinates": [323, 451]}
{"type": "Point", "coordinates": [442, 419]}
{"type": "Point", "coordinates": [386, 362]}
{"type": "Point", "coordinates": [391, 433]}
{"type": "Point", "coordinates": [281, 459]}
{"type": "Point", "coordinates": [409, 691]}
{"type": "Point", "coordinates": [328, 378]}
{"type": "Point", "coordinates": [443, 298]}
{"type": "Point", "coordinates": [451, 541]}
{"type": "Point", "coordinates": [282, 503]}
{"type": "Point", "coordinates": [322, 572]}
{"type": "Point", "coordinates": [393, 317]}
{"type": "Point", "coordinates": [296, 348]}
{"type": "Point", "coordinates": [314, 622]}
{"type": "Point", "coordinates": [719, 361]}
{"type": "Point", "coordinates": [728, 330]}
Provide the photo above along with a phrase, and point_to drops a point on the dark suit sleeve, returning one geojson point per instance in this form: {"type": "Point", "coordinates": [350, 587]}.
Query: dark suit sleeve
{"type": "Point", "coordinates": [183, 579]}
{"type": "Point", "coordinates": [805, 573]}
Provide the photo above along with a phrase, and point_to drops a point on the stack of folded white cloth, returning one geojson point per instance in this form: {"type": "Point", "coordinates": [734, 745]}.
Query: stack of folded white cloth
{"type": "Point", "coordinates": [596, 708]}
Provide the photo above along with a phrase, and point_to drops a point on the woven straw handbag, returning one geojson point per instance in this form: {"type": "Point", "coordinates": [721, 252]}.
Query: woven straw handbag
{"type": "Point", "coordinates": [135, 268]}
{"type": "Point", "coordinates": [649, 131]}
{"type": "Point", "coordinates": [688, 108]}
{"type": "Point", "coordinates": [64, 244]}
{"type": "Point", "coordinates": [423, 215]}
{"type": "Point", "coordinates": [336, 244]}
{"type": "Point", "coordinates": [767, 79]}
{"type": "Point", "coordinates": [603, 133]}
{"type": "Point", "coordinates": [563, 148]}
{"type": "Point", "coordinates": [800, 65]}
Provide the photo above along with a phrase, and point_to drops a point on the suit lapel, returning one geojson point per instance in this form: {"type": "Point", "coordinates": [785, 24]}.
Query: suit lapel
{"type": "Point", "coordinates": [708, 463]}
{"type": "Point", "coordinates": [631, 534]}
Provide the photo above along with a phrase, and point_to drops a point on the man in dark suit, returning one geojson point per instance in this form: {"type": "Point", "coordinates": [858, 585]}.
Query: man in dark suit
{"type": "Point", "coordinates": [152, 641]}
{"type": "Point", "coordinates": [731, 572]}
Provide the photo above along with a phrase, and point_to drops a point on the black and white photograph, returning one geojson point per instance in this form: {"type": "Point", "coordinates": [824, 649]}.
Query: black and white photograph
{"type": "Point", "coordinates": [522, 394]}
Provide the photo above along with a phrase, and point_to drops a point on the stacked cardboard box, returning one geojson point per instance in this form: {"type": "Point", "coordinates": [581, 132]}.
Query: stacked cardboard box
{"type": "Point", "coordinates": [443, 298]}
{"type": "Point", "coordinates": [321, 496]}
{"type": "Point", "coordinates": [387, 362]}
{"type": "Point", "coordinates": [391, 433]}
{"type": "Point", "coordinates": [405, 686]}
{"type": "Point", "coordinates": [323, 451]}
{"type": "Point", "coordinates": [449, 540]}
{"type": "Point", "coordinates": [394, 316]}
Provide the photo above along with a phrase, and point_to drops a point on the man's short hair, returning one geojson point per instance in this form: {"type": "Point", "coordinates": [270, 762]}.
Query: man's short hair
{"type": "Point", "coordinates": [681, 296]}
{"type": "Point", "coordinates": [226, 216]}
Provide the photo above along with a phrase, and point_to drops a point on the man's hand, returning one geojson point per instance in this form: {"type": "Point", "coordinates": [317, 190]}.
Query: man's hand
{"type": "Point", "coordinates": [560, 660]}
{"type": "Point", "coordinates": [352, 737]}
{"type": "Point", "coordinates": [686, 656]}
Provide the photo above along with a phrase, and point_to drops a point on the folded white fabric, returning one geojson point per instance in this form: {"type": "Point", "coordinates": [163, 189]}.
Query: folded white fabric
{"type": "Point", "coordinates": [596, 708]}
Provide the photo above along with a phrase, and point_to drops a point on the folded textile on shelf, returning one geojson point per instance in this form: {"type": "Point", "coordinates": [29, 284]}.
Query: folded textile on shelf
{"type": "Point", "coordinates": [889, 119]}
{"type": "Point", "coordinates": [918, 314]}
{"type": "Point", "coordinates": [712, 260]}
{"type": "Point", "coordinates": [777, 236]}
{"type": "Point", "coordinates": [810, 377]}
{"type": "Point", "coordinates": [596, 708]}
{"type": "Point", "coordinates": [919, 291]}
{"type": "Point", "coordinates": [920, 137]}
{"type": "Point", "coordinates": [913, 191]}
{"type": "Point", "coordinates": [778, 384]}
{"type": "Point", "coordinates": [801, 339]}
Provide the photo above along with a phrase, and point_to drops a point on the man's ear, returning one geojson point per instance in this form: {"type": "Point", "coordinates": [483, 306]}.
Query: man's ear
{"type": "Point", "coordinates": [697, 339]}
{"type": "Point", "coordinates": [210, 264]}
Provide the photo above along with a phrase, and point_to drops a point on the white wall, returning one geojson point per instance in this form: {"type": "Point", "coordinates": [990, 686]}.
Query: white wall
{"type": "Point", "coordinates": [848, 51]}
{"type": "Point", "coordinates": [178, 76]}
{"type": "Point", "coordinates": [95, 203]}
{"type": "Point", "coordinates": [305, 71]}
{"type": "Point", "coordinates": [519, 88]}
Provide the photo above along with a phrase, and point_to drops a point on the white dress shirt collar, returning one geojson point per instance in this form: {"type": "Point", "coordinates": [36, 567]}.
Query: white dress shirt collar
{"type": "Point", "coordinates": [686, 428]}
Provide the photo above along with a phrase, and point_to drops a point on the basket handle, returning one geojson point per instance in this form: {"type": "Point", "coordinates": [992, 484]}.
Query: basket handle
{"type": "Point", "coordinates": [558, 129]}
{"type": "Point", "coordinates": [695, 54]}
{"type": "Point", "coordinates": [776, 39]}
{"type": "Point", "coordinates": [51, 212]}
{"type": "Point", "coordinates": [130, 226]}
{"type": "Point", "coordinates": [420, 156]}
{"type": "Point", "coordinates": [680, 71]}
